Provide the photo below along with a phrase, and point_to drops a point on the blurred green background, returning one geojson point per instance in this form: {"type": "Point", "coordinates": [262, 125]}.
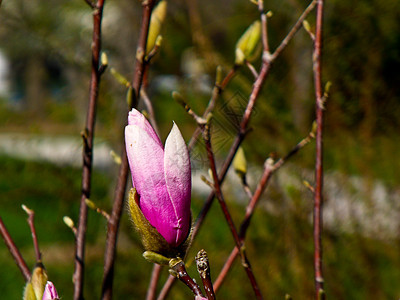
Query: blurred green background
{"type": "Point", "coordinates": [44, 80]}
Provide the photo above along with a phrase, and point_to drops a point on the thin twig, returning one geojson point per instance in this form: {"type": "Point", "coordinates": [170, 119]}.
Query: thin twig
{"type": "Point", "coordinates": [88, 152]}
{"type": "Point", "coordinates": [226, 212]}
{"type": "Point", "coordinates": [155, 275]}
{"type": "Point", "coordinates": [318, 199]}
{"type": "Point", "coordinates": [166, 288]}
{"type": "Point", "coordinates": [252, 69]}
{"type": "Point", "coordinates": [97, 209]}
{"type": "Point", "coordinates": [31, 219]}
{"type": "Point", "coordinates": [203, 267]}
{"type": "Point", "coordinates": [183, 276]}
{"type": "Point", "coordinates": [269, 169]}
{"type": "Point", "coordinates": [150, 109]}
{"type": "Point", "coordinates": [19, 260]}
{"type": "Point", "coordinates": [266, 65]}
{"type": "Point", "coordinates": [219, 87]}
{"type": "Point", "coordinates": [293, 31]}
{"type": "Point", "coordinates": [119, 195]}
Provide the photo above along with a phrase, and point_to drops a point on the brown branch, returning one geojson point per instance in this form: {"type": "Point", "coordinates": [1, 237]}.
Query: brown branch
{"type": "Point", "coordinates": [31, 218]}
{"type": "Point", "coordinates": [262, 75]}
{"type": "Point", "coordinates": [217, 91]}
{"type": "Point", "coordinates": [269, 169]}
{"type": "Point", "coordinates": [227, 215]}
{"type": "Point", "coordinates": [149, 106]}
{"type": "Point", "coordinates": [113, 223]}
{"type": "Point", "coordinates": [88, 152]}
{"type": "Point", "coordinates": [19, 260]}
{"type": "Point", "coordinates": [183, 276]}
{"type": "Point", "coordinates": [166, 288]}
{"type": "Point", "coordinates": [318, 200]}
{"type": "Point", "coordinates": [155, 275]}
{"type": "Point", "coordinates": [203, 267]}
{"type": "Point", "coordinates": [293, 31]}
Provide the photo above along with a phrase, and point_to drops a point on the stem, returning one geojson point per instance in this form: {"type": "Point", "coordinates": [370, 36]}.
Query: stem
{"type": "Point", "coordinates": [262, 75]}
{"type": "Point", "coordinates": [227, 215]}
{"type": "Point", "coordinates": [113, 223]}
{"type": "Point", "coordinates": [183, 276]}
{"type": "Point", "coordinates": [166, 288]}
{"type": "Point", "coordinates": [19, 260]}
{"type": "Point", "coordinates": [318, 200]}
{"type": "Point", "coordinates": [203, 267]}
{"type": "Point", "coordinates": [269, 169]}
{"type": "Point", "coordinates": [155, 275]}
{"type": "Point", "coordinates": [292, 32]}
{"type": "Point", "coordinates": [31, 218]}
{"type": "Point", "coordinates": [88, 152]}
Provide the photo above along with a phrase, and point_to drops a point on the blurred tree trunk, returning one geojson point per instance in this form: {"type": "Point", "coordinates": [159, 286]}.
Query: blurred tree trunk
{"type": "Point", "coordinates": [36, 94]}
{"type": "Point", "coordinates": [301, 70]}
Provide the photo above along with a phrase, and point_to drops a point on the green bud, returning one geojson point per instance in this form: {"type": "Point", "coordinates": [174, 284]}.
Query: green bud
{"type": "Point", "coordinates": [156, 258]}
{"type": "Point", "coordinates": [68, 221]}
{"type": "Point", "coordinates": [178, 98]}
{"type": "Point", "coordinates": [306, 26]}
{"type": "Point", "coordinates": [104, 59]}
{"type": "Point", "coordinates": [314, 129]}
{"type": "Point", "coordinates": [119, 77]}
{"type": "Point", "coordinates": [129, 96]}
{"type": "Point", "coordinates": [152, 240]}
{"type": "Point", "coordinates": [327, 88]}
{"type": "Point", "coordinates": [90, 204]}
{"type": "Point", "coordinates": [34, 289]}
{"type": "Point", "coordinates": [29, 293]}
{"type": "Point", "coordinates": [248, 42]}
{"type": "Point", "coordinates": [159, 40]}
{"type": "Point", "coordinates": [240, 163]}
{"type": "Point", "coordinates": [218, 75]}
{"type": "Point", "coordinates": [156, 21]}
{"type": "Point", "coordinates": [116, 158]}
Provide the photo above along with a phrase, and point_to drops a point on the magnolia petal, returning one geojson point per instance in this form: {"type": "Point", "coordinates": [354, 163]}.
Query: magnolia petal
{"type": "Point", "coordinates": [50, 292]}
{"type": "Point", "coordinates": [178, 182]}
{"type": "Point", "coordinates": [138, 119]}
{"type": "Point", "coordinates": [146, 157]}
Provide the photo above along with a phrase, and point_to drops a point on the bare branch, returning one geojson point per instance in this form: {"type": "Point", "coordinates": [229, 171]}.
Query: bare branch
{"type": "Point", "coordinates": [269, 169]}
{"type": "Point", "coordinates": [88, 150]}
{"type": "Point", "coordinates": [318, 199]}
{"type": "Point", "coordinates": [179, 268]}
{"type": "Point", "coordinates": [155, 275]}
{"type": "Point", "coordinates": [203, 267]}
{"type": "Point", "coordinates": [220, 197]}
{"type": "Point", "coordinates": [19, 260]}
{"type": "Point", "coordinates": [113, 223]}
{"type": "Point", "coordinates": [31, 218]}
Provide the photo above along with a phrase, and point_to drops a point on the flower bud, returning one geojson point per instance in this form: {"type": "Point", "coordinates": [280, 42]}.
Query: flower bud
{"type": "Point", "coordinates": [35, 287]}
{"type": "Point", "coordinates": [248, 42]}
{"type": "Point", "coordinates": [239, 162]}
{"type": "Point", "coordinates": [160, 201]}
{"type": "Point", "coordinates": [156, 21]}
{"type": "Point", "coordinates": [50, 292]}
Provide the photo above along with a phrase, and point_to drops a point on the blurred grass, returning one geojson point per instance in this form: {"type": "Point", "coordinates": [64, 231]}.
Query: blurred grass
{"type": "Point", "coordinates": [279, 245]}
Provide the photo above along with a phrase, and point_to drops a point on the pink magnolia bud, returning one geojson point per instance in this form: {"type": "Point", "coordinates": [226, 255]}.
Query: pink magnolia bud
{"type": "Point", "coordinates": [50, 292]}
{"type": "Point", "coordinates": [162, 177]}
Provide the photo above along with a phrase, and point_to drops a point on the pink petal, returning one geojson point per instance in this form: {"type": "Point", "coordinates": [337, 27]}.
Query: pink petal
{"type": "Point", "coordinates": [146, 159]}
{"type": "Point", "coordinates": [178, 181]}
{"type": "Point", "coordinates": [50, 292]}
{"type": "Point", "coordinates": [138, 119]}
